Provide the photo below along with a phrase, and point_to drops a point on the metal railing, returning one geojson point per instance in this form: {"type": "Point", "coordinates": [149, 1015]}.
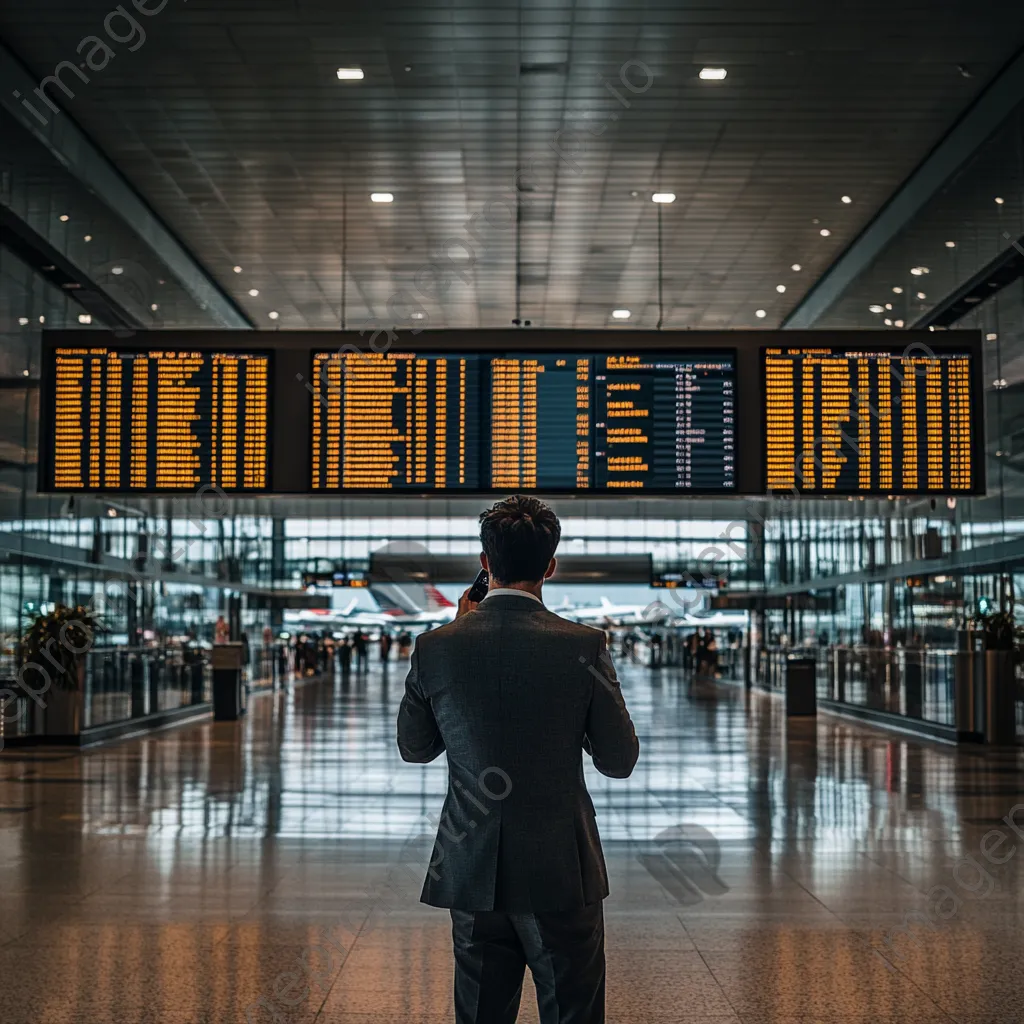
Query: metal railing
{"type": "Point", "coordinates": [917, 683]}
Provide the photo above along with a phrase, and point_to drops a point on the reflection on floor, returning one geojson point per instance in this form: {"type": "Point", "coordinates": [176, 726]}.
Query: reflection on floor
{"type": "Point", "coordinates": [269, 871]}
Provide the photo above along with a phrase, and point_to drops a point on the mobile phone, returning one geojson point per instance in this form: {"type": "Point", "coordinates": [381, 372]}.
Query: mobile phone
{"type": "Point", "coordinates": [479, 588]}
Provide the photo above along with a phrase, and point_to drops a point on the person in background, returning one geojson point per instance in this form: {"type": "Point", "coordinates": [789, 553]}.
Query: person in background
{"type": "Point", "coordinates": [404, 644]}
{"type": "Point", "coordinates": [221, 630]}
{"type": "Point", "coordinates": [345, 657]}
{"type": "Point", "coordinates": [385, 645]}
{"type": "Point", "coordinates": [514, 695]}
{"type": "Point", "coordinates": [359, 645]}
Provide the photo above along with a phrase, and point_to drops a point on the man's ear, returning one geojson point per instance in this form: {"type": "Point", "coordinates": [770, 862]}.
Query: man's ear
{"type": "Point", "coordinates": [483, 562]}
{"type": "Point", "coordinates": [551, 568]}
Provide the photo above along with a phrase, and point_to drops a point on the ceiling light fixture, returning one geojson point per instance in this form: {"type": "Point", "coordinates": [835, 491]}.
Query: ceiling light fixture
{"type": "Point", "coordinates": [418, 315]}
{"type": "Point", "coordinates": [899, 323]}
{"type": "Point", "coordinates": [991, 337]}
{"type": "Point", "coordinates": [877, 309]}
{"type": "Point", "coordinates": [350, 74]}
{"type": "Point", "coordinates": [42, 319]}
{"type": "Point", "coordinates": [898, 290]}
{"type": "Point", "coordinates": [918, 271]}
{"type": "Point", "coordinates": [381, 197]}
{"type": "Point", "coordinates": [887, 322]}
{"type": "Point", "coordinates": [88, 238]}
{"type": "Point", "coordinates": [847, 200]}
{"type": "Point", "coordinates": [23, 320]}
{"type": "Point", "coordinates": [620, 314]}
{"type": "Point", "coordinates": [153, 307]}
{"type": "Point", "coordinates": [254, 292]}
{"type": "Point", "coordinates": [117, 271]}
{"type": "Point", "coordinates": [663, 197]}
{"type": "Point", "coordinates": [64, 218]}
{"type": "Point", "coordinates": [951, 245]}
{"type": "Point", "coordinates": [1000, 200]}
{"type": "Point", "coordinates": [237, 270]}
{"type": "Point", "coordinates": [84, 318]}
{"type": "Point", "coordinates": [273, 314]}
{"type": "Point", "coordinates": [780, 288]}
{"type": "Point", "coordinates": [760, 314]}
{"type": "Point", "coordinates": [825, 232]}
{"type": "Point", "coordinates": [921, 295]}
{"type": "Point", "coordinates": [797, 268]}
{"type": "Point", "coordinates": [713, 74]}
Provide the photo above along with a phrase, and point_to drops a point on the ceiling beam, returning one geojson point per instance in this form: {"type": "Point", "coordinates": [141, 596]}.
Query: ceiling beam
{"type": "Point", "coordinates": [978, 122]}
{"type": "Point", "coordinates": [76, 152]}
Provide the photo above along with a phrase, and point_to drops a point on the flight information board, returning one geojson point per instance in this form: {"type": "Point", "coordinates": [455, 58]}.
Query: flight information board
{"type": "Point", "coordinates": [396, 421]}
{"type": "Point", "coordinates": [123, 420]}
{"type": "Point", "coordinates": [665, 422]}
{"type": "Point", "coordinates": [871, 421]}
{"type": "Point", "coordinates": [524, 421]}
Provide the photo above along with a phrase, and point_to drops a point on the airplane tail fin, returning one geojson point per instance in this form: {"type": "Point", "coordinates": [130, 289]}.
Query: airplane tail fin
{"type": "Point", "coordinates": [435, 599]}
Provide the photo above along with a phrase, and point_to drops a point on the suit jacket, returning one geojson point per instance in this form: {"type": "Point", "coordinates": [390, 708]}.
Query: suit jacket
{"type": "Point", "coordinates": [514, 694]}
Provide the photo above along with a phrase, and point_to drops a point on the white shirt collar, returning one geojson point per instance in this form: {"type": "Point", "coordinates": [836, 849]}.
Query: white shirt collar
{"type": "Point", "coordinates": [510, 592]}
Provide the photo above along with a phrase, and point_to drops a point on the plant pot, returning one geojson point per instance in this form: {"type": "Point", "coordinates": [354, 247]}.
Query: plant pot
{"type": "Point", "coordinates": [63, 712]}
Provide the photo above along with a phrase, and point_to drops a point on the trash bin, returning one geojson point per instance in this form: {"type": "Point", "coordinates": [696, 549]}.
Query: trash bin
{"type": "Point", "coordinates": [969, 686]}
{"type": "Point", "coordinates": [801, 687]}
{"type": "Point", "coordinates": [1000, 707]}
{"type": "Point", "coordinates": [913, 684]}
{"type": "Point", "coordinates": [228, 693]}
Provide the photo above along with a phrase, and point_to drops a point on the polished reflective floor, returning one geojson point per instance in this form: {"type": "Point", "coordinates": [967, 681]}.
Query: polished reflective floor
{"type": "Point", "coordinates": [269, 870]}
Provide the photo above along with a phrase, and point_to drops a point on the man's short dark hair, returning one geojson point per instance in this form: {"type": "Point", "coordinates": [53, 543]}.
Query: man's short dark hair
{"type": "Point", "coordinates": [519, 536]}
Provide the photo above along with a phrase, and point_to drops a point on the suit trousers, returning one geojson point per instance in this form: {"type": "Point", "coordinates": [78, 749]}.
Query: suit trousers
{"type": "Point", "coordinates": [563, 949]}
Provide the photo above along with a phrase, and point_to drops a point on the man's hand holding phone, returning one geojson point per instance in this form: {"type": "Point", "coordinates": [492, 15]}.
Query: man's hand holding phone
{"type": "Point", "coordinates": [474, 595]}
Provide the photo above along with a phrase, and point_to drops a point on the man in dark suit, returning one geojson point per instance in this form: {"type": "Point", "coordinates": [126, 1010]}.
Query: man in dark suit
{"type": "Point", "coordinates": [514, 694]}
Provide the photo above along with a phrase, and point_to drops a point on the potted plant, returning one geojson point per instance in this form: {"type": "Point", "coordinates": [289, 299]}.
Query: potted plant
{"type": "Point", "coordinates": [56, 643]}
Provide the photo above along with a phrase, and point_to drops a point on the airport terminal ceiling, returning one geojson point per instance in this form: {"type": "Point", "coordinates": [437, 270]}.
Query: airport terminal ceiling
{"type": "Point", "coordinates": [239, 135]}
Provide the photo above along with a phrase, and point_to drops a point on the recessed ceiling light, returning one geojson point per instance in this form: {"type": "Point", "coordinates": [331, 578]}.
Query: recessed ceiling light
{"type": "Point", "coordinates": [88, 238]}
{"type": "Point", "coordinates": [64, 218]}
{"type": "Point", "coordinates": [24, 373]}
{"type": "Point", "coordinates": [887, 322]}
{"type": "Point", "coordinates": [23, 320]}
{"type": "Point", "coordinates": [760, 314]}
{"type": "Point", "coordinates": [847, 200]}
{"type": "Point", "coordinates": [888, 305]}
{"type": "Point", "coordinates": [918, 271]}
{"type": "Point", "coordinates": [273, 314]}
{"type": "Point", "coordinates": [237, 270]}
{"type": "Point", "coordinates": [254, 292]}
{"type": "Point", "coordinates": [1000, 200]}
{"type": "Point", "coordinates": [350, 74]}
{"type": "Point", "coordinates": [381, 197]}
{"type": "Point", "coordinates": [620, 314]}
{"type": "Point", "coordinates": [876, 308]}
{"type": "Point", "coordinates": [780, 288]}
{"type": "Point", "coordinates": [921, 295]}
{"type": "Point", "coordinates": [42, 319]}
{"type": "Point", "coordinates": [418, 315]}
{"type": "Point", "coordinates": [898, 290]}
{"type": "Point", "coordinates": [899, 323]}
{"type": "Point", "coordinates": [153, 306]}
{"type": "Point", "coordinates": [825, 232]}
{"type": "Point", "coordinates": [991, 337]}
{"type": "Point", "coordinates": [84, 318]}
{"type": "Point", "coordinates": [951, 245]}
{"type": "Point", "coordinates": [713, 74]}
{"type": "Point", "coordinates": [663, 197]}
{"type": "Point", "coordinates": [797, 268]}
{"type": "Point", "coordinates": [118, 271]}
